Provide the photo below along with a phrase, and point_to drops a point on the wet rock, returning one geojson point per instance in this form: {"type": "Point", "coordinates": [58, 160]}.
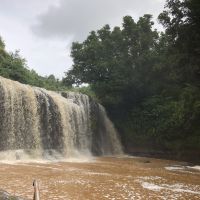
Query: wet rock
{"type": "Point", "coordinates": [6, 196]}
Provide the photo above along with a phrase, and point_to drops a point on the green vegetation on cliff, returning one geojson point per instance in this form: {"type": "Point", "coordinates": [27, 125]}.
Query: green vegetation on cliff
{"type": "Point", "coordinates": [14, 67]}
{"type": "Point", "coordinates": [148, 81]}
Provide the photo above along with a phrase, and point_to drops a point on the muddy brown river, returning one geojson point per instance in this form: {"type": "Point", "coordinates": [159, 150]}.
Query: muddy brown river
{"type": "Point", "coordinates": [103, 178]}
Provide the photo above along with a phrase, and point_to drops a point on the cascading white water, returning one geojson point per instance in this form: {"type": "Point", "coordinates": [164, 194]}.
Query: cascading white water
{"type": "Point", "coordinates": [41, 123]}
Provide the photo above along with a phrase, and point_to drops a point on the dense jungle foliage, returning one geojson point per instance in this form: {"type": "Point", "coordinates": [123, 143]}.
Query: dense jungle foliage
{"type": "Point", "coordinates": [148, 81]}
{"type": "Point", "coordinates": [14, 67]}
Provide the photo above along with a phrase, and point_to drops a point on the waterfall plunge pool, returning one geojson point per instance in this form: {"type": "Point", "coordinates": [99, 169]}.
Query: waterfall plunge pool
{"type": "Point", "coordinates": [102, 178]}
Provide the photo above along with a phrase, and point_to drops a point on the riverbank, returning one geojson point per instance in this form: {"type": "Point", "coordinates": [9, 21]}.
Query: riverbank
{"type": "Point", "coordinates": [190, 156]}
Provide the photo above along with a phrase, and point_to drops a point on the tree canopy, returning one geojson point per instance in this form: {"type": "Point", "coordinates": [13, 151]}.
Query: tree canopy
{"type": "Point", "coordinates": [14, 67]}
{"type": "Point", "coordinates": [148, 81]}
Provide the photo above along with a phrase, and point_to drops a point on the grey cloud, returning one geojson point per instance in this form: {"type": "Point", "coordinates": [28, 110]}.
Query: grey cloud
{"type": "Point", "coordinates": [75, 18]}
{"type": "Point", "coordinates": [46, 46]}
{"type": "Point", "coordinates": [23, 9]}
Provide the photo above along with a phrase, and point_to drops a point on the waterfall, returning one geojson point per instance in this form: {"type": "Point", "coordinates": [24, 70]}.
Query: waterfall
{"type": "Point", "coordinates": [41, 123]}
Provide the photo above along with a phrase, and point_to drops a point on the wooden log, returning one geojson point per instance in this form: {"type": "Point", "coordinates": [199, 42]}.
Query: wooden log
{"type": "Point", "coordinates": [36, 195]}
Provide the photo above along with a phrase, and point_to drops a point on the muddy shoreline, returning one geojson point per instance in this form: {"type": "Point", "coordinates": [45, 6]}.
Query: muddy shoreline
{"type": "Point", "coordinates": [191, 157]}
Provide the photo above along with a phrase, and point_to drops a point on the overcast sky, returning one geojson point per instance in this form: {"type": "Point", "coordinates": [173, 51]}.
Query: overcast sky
{"type": "Point", "coordinates": [43, 30]}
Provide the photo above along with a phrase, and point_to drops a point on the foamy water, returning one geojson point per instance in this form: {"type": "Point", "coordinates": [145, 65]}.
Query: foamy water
{"type": "Point", "coordinates": [101, 178]}
{"type": "Point", "coordinates": [21, 157]}
{"type": "Point", "coordinates": [39, 124]}
{"type": "Point", "coordinates": [184, 168]}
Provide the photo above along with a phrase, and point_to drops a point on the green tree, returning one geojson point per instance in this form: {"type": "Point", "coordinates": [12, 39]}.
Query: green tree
{"type": "Point", "coordinates": [149, 82]}
{"type": "Point", "coordinates": [112, 60]}
{"type": "Point", "coordinates": [181, 20]}
{"type": "Point", "coordinates": [14, 67]}
{"type": "Point", "coordinates": [2, 45]}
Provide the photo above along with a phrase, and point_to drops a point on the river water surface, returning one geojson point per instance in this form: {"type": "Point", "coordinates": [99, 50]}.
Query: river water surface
{"type": "Point", "coordinates": [103, 178]}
